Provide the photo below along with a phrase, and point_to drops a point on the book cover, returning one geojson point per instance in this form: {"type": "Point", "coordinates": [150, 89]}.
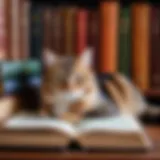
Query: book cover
{"type": "Point", "coordinates": [69, 17]}
{"type": "Point", "coordinates": [140, 45]}
{"type": "Point", "coordinates": [57, 30]}
{"type": "Point", "coordinates": [81, 30]}
{"type": "Point", "coordinates": [109, 14]}
{"type": "Point", "coordinates": [124, 66]}
{"type": "Point", "coordinates": [36, 31]}
{"type": "Point", "coordinates": [155, 47]}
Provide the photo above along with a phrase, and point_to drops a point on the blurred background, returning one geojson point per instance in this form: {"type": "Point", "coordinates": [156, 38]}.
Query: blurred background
{"type": "Point", "coordinates": [125, 37]}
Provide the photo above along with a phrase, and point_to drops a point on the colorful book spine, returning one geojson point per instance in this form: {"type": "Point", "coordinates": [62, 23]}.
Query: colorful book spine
{"type": "Point", "coordinates": [57, 30]}
{"type": "Point", "coordinates": [36, 32]}
{"type": "Point", "coordinates": [109, 14]}
{"type": "Point", "coordinates": [155, 47]}
{"type": "Point", "coordinates": [124, 66]}
{"type": "Point", "coordinates": [140, 45]}
{"type": "Point", "coordinates": [81, 36]}
{"type": "Point", "coordinates": [69, 30]}
{"type": "Point", "coordinates": [3, 50]}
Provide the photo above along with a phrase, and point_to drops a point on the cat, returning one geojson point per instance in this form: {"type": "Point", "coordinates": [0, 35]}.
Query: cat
{"type": "Point", "coordinates": [69, 87]}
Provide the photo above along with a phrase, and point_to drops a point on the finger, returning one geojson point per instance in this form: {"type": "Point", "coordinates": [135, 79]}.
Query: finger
{"type": "Point", "coordinates": [114, 92]}
{"type": "Point", "coordinates": [124, 85]}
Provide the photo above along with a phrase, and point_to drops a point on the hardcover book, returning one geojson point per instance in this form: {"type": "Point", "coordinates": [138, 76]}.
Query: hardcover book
{"type": "Point", "coordinates": [141, 45]}
{"type": "Point", "coordinates": [81, 31]}
{"type": "Point", "coordinates": [118, 132]}
{"type": "Point", "coordinates": [155, 47]}
{"type": "Point", "coordinates": [36, 32]}
{"type": "Point", "coordinates": [69, 15]}
{"type": "Point", "coordinates": [57, 30]}
{"type": "Point", "coordinates": [124, 65]}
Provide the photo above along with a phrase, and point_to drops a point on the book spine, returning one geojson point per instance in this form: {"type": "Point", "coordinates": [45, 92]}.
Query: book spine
{"type": "Point", "coordinates": [3, 50]}
{"type": "Point", "coordinates": [15, 34]}
{"type": "Point", "coordinates": [109, 12]}
{"type": "Point", "coordinates": [140, 45]}
{"type": "Point", "coordinates": [93, 35]}
{"type": "Point", "coordinates": [57, 30]}
{"type": "Point", "coordinates": [155, 47]}
{"type": "Point", "coordinates": [124, 66]}
{"type": "Point", "coordinates": [8, 28]}
{"type": "Point", "coordinates": [24, 29]}
{"type": "Point", "coordinates": [47, 21]}
{"type": "Point", "coordinates": [81, 37]}
{"type": "Point", "coordinates": [36, 31]}
{"type": "Point", "coordinates": [69, 30]}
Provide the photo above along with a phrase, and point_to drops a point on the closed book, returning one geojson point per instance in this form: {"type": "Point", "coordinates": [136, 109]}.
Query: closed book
{"type": "Point", "coordinates": [69, 16]}
{"type": "Point", "coordinates": [81, 30]}
{"type": "Point", "coordinates": [11, 73]}
{"type": "Point", "coordinates": [3, 30]}
{"type": "Point", "coordinates": [140, 45]}
{"type": "Point", "coordinates": [47, 34]}
{"type": "Point", "coordinates": [155, 47]}
{"type": "Point", "coordinates": [36, 31]}
{"type": "Point", "coordinates": [57, 30]}
{"type": "Point", "coordinates": [124, 65]}
{"type": "Point", "coordinates": [109, 13]}
{"type": "Point", "coordinates": [24, 29]}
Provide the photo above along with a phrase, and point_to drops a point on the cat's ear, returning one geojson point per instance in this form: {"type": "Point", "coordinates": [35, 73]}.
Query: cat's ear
{"type": "Point", "coordinates": [86, 58]}
{"type": "Point", "coordinates": [49, 57]}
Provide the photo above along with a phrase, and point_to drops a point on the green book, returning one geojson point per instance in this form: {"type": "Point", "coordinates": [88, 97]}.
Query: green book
{"type": "Point", "coordinates": [124, 66]}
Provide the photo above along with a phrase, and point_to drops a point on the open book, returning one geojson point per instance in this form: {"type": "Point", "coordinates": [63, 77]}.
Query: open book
{"type": "Point", "coordinates": [118, 132]}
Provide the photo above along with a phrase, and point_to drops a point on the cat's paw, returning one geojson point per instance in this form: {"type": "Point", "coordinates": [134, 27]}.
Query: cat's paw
{"type": "Point", "coordinates": [71, 117]}
{"type": "Point", "coordinates": [77, 107]}
{"type": "Point", "coordinates": [43, 113]}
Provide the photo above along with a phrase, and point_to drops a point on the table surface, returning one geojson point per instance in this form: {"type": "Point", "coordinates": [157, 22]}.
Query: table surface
{"type": "Point", "coordinates": [152, 131]}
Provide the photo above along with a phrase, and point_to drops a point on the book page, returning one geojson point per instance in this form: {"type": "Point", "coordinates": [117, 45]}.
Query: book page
{"type": "Point", "coordinates": [121, 123]}
{"type": "Point", "coordinates": [28, 122]}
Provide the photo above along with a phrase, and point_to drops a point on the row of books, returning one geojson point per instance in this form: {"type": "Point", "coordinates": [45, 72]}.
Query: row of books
{"type": "Point", "coordinates": [125, 38]}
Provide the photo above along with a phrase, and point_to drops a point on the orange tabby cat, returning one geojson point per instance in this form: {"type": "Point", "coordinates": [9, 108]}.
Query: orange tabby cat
{"type": "Point", "coordinates": [69, 87]}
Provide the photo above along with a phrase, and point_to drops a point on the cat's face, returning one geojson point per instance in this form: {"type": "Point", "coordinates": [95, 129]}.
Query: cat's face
{"type": "Point", "coordinates": [68, 74]}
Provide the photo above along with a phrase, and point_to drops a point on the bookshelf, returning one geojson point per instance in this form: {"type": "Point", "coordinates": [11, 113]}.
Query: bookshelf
{"type": "Point", "coordinates": [95, 4]}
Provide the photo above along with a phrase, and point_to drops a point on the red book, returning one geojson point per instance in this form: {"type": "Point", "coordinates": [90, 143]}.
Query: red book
{"type": "Point", "coordinates": [82, 23]}
{"type": "Point", "coordinates": [155, 47]}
